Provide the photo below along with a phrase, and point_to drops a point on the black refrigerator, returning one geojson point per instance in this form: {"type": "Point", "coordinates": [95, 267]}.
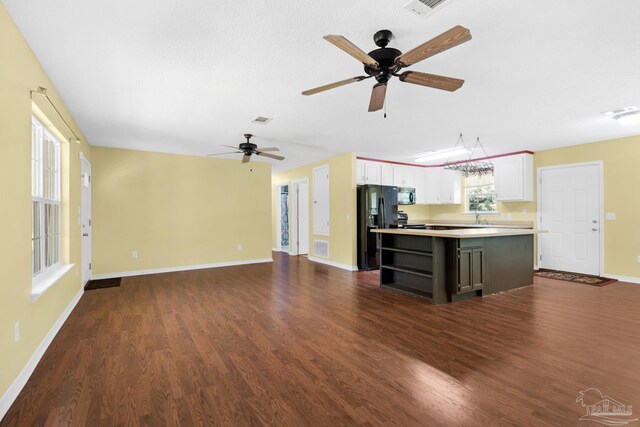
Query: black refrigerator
{"type": "Point", "coordinates": [377, 208]}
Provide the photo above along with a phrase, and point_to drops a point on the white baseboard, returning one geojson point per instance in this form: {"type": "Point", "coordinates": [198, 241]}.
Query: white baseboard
{"type": "Point", "coordinates": [181, 268]}
{"type": "Point", "coordinates": [333, 264]}
{"type": "Point", "coordinates": [623, 278]}
{"type": "Point", "coordinates": [18, 384]}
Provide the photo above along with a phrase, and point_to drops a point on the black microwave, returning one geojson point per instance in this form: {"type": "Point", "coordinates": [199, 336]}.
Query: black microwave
{"type": "Point", "coordinates": [406, 196]}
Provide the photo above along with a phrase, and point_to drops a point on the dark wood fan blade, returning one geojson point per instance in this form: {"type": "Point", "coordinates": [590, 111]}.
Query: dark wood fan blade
{"type": "Point", "coordinates": [221, 154]}
{"type": "Point", "coordinates": [455, 36]}
{"type": "Point", "coordinates": [333, 85]}
{"type": "Point", "coordinates": [431, 80]}
{"type": "Point", "coordinates": [342, 43]}
{"type": "Point", "coordinates": [269, 149]}
{"type": "Point", "coordinates": [377, 97]}
{"type": "Point", "coordinates": [273, 156]}
{"type": "Point", "coordinates": [229, 146]}
{"type": "Point", "coordinates": [245, 158]}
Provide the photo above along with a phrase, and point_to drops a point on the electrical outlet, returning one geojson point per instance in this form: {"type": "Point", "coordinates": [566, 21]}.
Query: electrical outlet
{"type": "Point", "coordinates": [610, 216]}
{"type": "Point", "coordinates": [239, 246]}
{"type": "Point", "coordinates": [524, 211]}
{"type": "Point", "coordinates": [134, 254]}
{"type": "Point", "coordinates": [16, 331]}
{"type": "Point", "coordinates": [77, 271]}
{"type": "Point", "coordinates": [348, 217]}
{"type": "Point", "coordinates": [509, 216]}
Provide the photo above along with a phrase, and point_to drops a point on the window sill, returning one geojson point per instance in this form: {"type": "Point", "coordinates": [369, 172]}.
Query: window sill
{"type": "Point", "coordinates": [481, 213]}
{"type": "Point", "coordinates": [45, 281]}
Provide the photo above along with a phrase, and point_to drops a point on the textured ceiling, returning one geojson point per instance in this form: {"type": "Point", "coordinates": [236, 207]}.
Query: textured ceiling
{"type": "Point", "coordinates": [187, 76]}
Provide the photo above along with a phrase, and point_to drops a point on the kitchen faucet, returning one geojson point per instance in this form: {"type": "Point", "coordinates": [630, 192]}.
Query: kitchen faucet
{"type": "Point", "coordinates": [477, 217]}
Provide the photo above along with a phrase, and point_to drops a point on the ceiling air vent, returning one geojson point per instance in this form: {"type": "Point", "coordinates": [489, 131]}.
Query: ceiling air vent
{"type": "Point", "coordinates": [426, 8]}
{"type": "Point", "coordinates": [261, 120]}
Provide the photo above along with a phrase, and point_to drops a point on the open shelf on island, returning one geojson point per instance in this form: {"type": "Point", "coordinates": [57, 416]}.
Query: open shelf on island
{"type": "Point", "coordinates": [409, 270]}
{"type": "Point", "coordinates": [407, 251]}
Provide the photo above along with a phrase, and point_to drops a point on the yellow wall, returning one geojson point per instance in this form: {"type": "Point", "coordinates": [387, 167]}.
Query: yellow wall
{"type": "Point", "coordinates": [342, 192]}
{"type": "Point", "coordinates": [177, 210]}
{"type": "Point", "coordinates": [620, 159]}
{"type": "Point", "coordinates": [21, 72]}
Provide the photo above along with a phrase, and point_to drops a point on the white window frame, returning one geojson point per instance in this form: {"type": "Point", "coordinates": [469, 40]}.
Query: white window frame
{"type": "Point", "coordinates": [39, 132]}
{"type": "Point", "coordinates": [467, 200]}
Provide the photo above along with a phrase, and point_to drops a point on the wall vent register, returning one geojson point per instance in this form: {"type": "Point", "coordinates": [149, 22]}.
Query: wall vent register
{"type": "Point", "coordinates": [321, 248]}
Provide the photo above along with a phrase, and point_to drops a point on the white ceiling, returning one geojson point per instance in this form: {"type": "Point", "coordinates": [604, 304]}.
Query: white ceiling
{"type": "Point", "coordinates": [187, 76]}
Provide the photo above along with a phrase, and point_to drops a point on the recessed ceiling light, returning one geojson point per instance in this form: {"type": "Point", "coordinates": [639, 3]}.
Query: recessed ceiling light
{"type": "Point", "coordinates": [626, 116]}
{"type": "Point", "coordinates": [629, 119]}
{"type": "Point", "coordinates": [441, 154]}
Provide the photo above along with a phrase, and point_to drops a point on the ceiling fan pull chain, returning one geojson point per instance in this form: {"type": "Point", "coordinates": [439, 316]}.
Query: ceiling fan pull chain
{"type": "Point", "coordinates": [385, 108]}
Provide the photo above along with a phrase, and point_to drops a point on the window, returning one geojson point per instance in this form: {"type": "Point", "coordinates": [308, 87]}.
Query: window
{"type": "Point", "coordinates": [45, 199]}
{"type": "Point", "coordinates": [480, 194]}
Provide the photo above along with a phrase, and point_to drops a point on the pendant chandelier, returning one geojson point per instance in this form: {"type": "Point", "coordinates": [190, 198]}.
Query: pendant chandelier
{"type": "Point", "coordinates": [471, 167]}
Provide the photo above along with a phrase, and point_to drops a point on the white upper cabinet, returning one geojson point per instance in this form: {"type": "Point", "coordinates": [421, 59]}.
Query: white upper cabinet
{"type": "Point", "coordinates": [421, 186]}
{"type": "Point", "coordinates": [450, 187]}
{"type": "Point", "coordinates": [432, 193]}
{"type": "Point", "coordinates": [404, 176]}
{"type": "Point", "coordinates": [386, 173]}
{"type": "Point", "coordinates": [367, 172]}
{"type": "Point", "coordinates": [513, 178]}
{"type": "Point", "coordinates": [443, 187]}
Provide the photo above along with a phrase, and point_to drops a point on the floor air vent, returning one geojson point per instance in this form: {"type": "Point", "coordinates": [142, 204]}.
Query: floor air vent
{"type": "Point", "coordinates": [321, 248]}
{"type": "Point", "coordinates": [425, 8]}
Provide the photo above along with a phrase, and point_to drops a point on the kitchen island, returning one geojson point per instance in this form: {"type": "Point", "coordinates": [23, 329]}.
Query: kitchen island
{"type": "Point", "coordinates": [451, 265]}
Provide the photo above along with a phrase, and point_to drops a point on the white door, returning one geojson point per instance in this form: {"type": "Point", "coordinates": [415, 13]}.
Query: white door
{"type": "Point", "coordinates": [303, 217]}
{"type": "Point", "coordinates": [321, 210]}
{"type": "Point", "coordinates": [569, 210]}
{"type": "Point", "coordinates": [85, 218]}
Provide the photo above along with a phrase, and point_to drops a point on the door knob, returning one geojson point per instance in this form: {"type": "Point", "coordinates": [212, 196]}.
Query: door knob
{"type": "Point", "coordinates": [595, 221]}
{"type": "Point", "coordinates": [85, 234]}
{"type": "Point", "coordinates": [594, 229]}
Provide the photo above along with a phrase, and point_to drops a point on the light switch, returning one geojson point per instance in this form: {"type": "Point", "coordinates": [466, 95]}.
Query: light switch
{"type": "Point", "coordinates": [611, 216]}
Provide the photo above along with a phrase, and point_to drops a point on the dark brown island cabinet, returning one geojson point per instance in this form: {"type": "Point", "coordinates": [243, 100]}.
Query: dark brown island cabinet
{"type": "Point", "coordinates": [451, 265]}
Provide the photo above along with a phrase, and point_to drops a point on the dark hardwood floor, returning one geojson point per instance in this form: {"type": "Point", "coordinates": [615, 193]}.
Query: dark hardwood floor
{"type": "Point", "coordinates": [299, 343]}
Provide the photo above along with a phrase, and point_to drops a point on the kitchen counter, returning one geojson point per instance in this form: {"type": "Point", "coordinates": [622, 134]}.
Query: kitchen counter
{"type": "Point", "coordinates": [461, 233]}
{"type": "Point", "coordinates": [452, 265]}
{"type": "Point", "coordinates": [463, 224]}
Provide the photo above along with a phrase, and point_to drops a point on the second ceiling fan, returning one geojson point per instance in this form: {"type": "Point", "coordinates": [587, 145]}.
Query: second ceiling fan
{"type": "Point", "coordinates": [386, 62]}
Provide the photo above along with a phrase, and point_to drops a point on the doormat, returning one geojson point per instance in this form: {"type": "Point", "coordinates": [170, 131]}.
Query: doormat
{"type": "Point", "coordinates": [102, 283]}
{"type": "Point", "coordinates": [575, 277]}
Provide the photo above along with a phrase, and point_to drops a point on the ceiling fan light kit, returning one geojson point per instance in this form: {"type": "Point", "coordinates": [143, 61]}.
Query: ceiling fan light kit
{"type": "Point", "coordinates": [386, 62]}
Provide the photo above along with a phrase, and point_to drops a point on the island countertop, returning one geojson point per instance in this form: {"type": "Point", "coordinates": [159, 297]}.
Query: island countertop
{"type": "Point", "coordinates": [463, 233]}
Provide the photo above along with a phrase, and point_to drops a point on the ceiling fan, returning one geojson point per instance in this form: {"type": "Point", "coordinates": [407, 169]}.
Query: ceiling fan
{"type": "Point", "coordinates": [386, 62]}
{"type": "Point", "coordinates": [248, 148]}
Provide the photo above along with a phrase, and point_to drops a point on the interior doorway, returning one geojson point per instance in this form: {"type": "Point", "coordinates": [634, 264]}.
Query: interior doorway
{"type": "Point", "coordinates": [570, 205]}
{"type": "Point", "coordinates": [85, 217]}
{"type": "Point", "coordinates": [299, 244]}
